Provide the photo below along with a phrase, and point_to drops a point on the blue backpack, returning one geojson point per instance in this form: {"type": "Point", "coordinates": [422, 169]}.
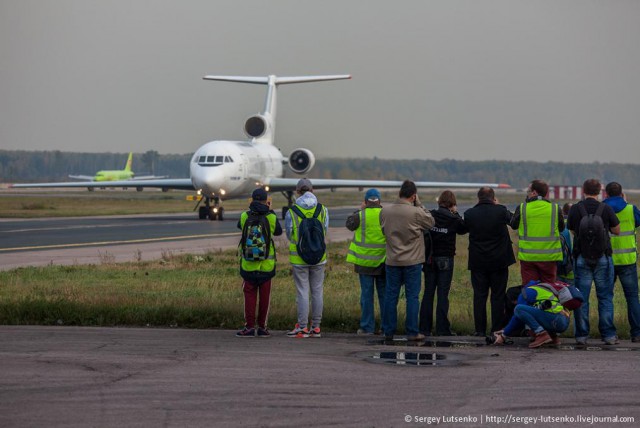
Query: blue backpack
{"type": "Point", "coordinates": [255, 242]}
{"type": "Point", "coordinates": [310, 246]}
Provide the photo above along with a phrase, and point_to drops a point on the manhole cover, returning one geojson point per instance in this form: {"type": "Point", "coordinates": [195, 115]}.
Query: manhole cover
{"type": "Point", "coordinates": [411, 358]}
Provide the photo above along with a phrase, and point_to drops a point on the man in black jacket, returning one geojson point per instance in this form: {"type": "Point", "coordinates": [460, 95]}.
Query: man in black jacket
{"type": "Point", "coordinates": [490, 255]}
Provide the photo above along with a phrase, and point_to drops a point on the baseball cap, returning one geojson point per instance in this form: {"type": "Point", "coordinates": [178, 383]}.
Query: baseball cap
{"type": "Point", "coordinates": [372, 195]}
{"type": "Point", "coordinates": [304, 184]}
{"type": "Point", "coordinates": [259, 194]}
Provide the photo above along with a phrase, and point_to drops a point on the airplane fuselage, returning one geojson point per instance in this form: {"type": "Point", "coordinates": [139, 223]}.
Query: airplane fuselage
{"type": "Point", "coordinates": [113, 175]}
{"type": "Point", "coordinates": [229, 169]}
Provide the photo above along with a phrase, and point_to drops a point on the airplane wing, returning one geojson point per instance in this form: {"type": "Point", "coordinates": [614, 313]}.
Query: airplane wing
{"type": "Point", "coordinates": [169, 183]}
{"type": "Point", "coordinates": [283, 184]}
{"type": "Point", "coordinates": [149, 177]}
{"type": "Point", "coordinates": [82, 177]}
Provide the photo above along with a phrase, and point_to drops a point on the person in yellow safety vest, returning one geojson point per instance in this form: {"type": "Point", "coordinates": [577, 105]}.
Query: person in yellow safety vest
{"type": "Point", "coordinates": [540, 310]}
{"type": "Point", "coordinates": [625, 253]}
{"type": "Point", "coordinates": [367, 252]}
{"type": "Point", "coordinates": [257, 269]}
{"type": "Point", "coordinates": [308, 279]}
{"type": "Point", "coordinates": [539, 223]}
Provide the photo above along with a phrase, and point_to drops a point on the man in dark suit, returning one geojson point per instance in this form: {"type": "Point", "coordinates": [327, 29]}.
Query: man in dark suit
{"type": "Point", "coordinates": [490, 255]}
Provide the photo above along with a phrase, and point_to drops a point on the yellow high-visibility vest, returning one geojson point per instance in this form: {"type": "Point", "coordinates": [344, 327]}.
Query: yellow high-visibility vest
{"type": "Point", "coordinates": [368, 247]}
{"type": "Point", "coordinates": [624, 245]}
{"type": "Point", "coordinates": [538, 234]}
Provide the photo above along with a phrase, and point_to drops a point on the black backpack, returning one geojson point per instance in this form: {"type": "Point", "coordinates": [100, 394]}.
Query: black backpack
{"type": "Point", "coordinates": [255, 242]}
{"type": "Point", "coordinates": [592, 236]}
{"type": "Point", "coordinates": [310, 246]}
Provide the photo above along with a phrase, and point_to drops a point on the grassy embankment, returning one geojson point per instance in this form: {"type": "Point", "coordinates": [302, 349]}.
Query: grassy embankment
{"type": "Point", "coordinates": [204, 292]}
{"type": "Point", "coordinates": [199, 291]}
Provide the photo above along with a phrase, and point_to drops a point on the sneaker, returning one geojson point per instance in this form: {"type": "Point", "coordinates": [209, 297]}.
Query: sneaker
{"type": "Point", "coordinates": [416, 337]}
{"type": "Point", "coordinates": [263, 332]}
{"type": "Point", "coordinates": [635, 339]}
{"type": "Point", "coordinates": [479, 334]}
{"type": "Point", "coordinates": [315, 332]}
{"type": "Point", "coordinates": [298, 332]}
{"type": "Point", "coordinates": [613, 340]}
{"type": "Point", "coordinates": [541, 338]}
{"type": "Point", "coordinates": [581, 340]}
{"type": "Point", "coordinates": [246, 332]}
{"type": "Point", "coordinates": [361, 332]}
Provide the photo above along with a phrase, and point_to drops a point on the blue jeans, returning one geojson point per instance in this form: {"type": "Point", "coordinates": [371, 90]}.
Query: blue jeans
{"type": "Point", "coordinates": [437, 278]}
{"type": "Point", "coordinates": [367, 282]}
{"type": "Point", "coordinates": [602, 274]}
{"type": "Point", "coordinates": [628, 276]}
{"type": "Point", "coordinates": [411, 277]}
{"type": "Point", "coordinates": [539, 320]}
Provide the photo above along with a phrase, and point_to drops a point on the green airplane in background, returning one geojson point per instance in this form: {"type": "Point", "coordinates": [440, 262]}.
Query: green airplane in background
{"type": "Point", "coordinates": [116, 175]}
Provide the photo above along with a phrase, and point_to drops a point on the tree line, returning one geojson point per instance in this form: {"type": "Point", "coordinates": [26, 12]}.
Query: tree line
{"type": "Point", "coordinates": [42, 166]}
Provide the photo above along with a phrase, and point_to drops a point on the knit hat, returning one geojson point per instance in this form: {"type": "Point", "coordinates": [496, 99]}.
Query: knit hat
{"type": "Point", "coordinates": [259, 195]}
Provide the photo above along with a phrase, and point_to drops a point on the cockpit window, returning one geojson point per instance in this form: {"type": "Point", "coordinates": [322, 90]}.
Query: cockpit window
{"type": "Point", "coordinates": [216, 160]}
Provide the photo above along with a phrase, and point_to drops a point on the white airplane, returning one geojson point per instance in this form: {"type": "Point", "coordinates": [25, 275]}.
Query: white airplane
{"type": "Point", "coordinates": [224, 169]}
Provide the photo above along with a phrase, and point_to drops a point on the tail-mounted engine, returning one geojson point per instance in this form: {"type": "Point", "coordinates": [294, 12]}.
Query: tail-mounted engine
{"type": "Point", "coordinates": [256, 126]}
{"type": "Point", "coordinates": [301, 161]}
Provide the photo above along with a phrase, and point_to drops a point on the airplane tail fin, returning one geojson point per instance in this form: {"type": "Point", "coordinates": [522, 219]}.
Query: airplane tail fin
{"type": "Point", "coordinates": [261, 128]}
{"type": "Point", "coordinates": [127, 166]}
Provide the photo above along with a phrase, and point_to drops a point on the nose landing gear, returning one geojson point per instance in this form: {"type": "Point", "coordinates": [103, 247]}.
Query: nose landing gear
{"type": "Point", "coordinates": [215, 212]}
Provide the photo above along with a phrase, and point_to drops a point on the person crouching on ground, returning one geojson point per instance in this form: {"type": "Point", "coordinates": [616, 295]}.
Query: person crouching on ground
{"type": "Point", "coordinates": [367, 252]}
{"type": "Point", "coordinates": [257, 261]}
{"type": "Point", "coordinates": [540, 310]}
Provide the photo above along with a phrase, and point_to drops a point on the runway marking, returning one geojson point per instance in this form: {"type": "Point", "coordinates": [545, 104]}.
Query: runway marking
{"type": "Point", "coordinates": [132, 241]}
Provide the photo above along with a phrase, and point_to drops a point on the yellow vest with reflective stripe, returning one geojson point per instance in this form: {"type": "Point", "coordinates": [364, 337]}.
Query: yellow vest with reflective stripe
{"type": "Point", "coordinates": [544, 294]}
{"type": "Point", "coordinates": [624, 245]}
{"type": "Point", "coordinates": [260, 265]}
{"type": "Point", "coordinates": [294, 258]}
{"type": "Point", "coordinates": [368, 247]}
{"type": "Point", "coordinates": [539, 237]}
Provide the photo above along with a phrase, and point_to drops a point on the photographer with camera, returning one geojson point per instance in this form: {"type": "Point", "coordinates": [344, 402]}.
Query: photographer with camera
{"type": "Point", "coordinates": [540, 310]}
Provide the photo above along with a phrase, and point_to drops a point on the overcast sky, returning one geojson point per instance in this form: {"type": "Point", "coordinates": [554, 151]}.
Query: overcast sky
{"type": "Point", "coordinates": [469, 80]}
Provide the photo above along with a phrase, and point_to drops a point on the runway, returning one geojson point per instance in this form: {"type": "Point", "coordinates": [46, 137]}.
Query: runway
{"type": "Point", "coordinates": [83, 240]}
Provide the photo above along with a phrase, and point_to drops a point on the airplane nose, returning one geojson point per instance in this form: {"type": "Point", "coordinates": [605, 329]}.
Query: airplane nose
{"type": "Point", "coordinates": [209, 180]}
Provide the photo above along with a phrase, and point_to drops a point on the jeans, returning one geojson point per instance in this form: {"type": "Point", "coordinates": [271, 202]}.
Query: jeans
{"type": "Point", "coordinates": [628, 276]}
{"type": "Point", "coordinates": [602, 275]}
{"type": "Point", "coordinates": [369, 284]}
{"type": "Point", "coordinates": [411, 277]}
{"type": "Point", "coordinates": [539, 320]}
{"type": "Point", "coordinates": [437, 277]}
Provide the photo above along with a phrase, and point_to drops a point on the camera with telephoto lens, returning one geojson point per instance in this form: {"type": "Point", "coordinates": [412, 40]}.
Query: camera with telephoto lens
{"type": "Point", "coordinates": [544, 305]}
